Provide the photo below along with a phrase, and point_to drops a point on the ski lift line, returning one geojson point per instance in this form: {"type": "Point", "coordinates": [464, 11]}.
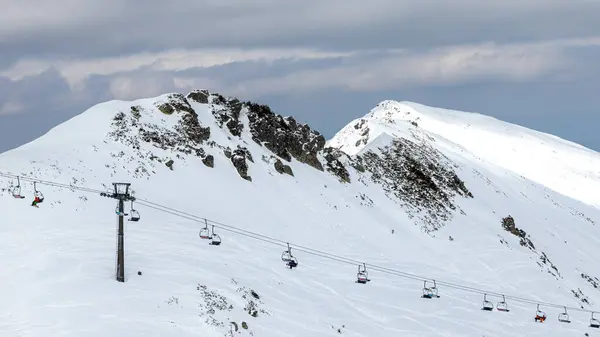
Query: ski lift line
{"type": "Point", "coordinates": [254, 236]}
{"type": "Point", "coordinates": [233, 230]}
{"type": "Point", "coordinates": [50, 183]}
{"type": "Point", "coordinates": [352, 261]}
{"type": "Point", "coordinates": [225, 226]}
{"type": "Point", "coordinates": [280, 242]}
{"type": "Point", "coordinates": [260, 237]}
{"type": "Point", "coordinates": [307, 250]}
{"type": "Point", "coordinates": [222, 225]}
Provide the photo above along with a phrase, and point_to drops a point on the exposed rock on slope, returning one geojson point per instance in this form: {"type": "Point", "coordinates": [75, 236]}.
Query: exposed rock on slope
{"type": "Point", "coordinates": [413, 173]}
{"type": "Point", "coordinates": [420, 177]}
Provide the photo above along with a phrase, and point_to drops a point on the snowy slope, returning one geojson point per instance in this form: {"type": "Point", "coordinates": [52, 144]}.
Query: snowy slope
{"type": "Point", "coordinates": [59, 260]}
{"type": "Point", "coordinates": [574, 169]}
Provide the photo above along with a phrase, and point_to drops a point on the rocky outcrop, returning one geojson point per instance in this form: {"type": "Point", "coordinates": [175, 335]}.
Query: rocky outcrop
{"type": "Point", "coordinates": [508, 223]}
{"type": "Point", "coordinates": [420, 177]}
{"type": "Point", "coordinates": [334, 166]}
{"type": "Point", "coordinates": [199, 96]}
{"type": "Point", "coordinates": [227, 113]}
{"type": "Point", "coordinates": [238, 159]}
{"type": "Point", "coordinates": [284, 136]}
{"type": "Point", "coordinates": [412, 173]}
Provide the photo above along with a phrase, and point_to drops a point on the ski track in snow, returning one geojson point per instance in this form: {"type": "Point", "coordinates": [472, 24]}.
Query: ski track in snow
{"type": "Point", "coordinates": [59, 260]}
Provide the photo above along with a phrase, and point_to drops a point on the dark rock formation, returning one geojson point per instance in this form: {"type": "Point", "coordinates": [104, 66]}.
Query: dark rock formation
{"type": "Point", "coordinates": [238, 158]}
{"type": "Point", "coordinates": [284, 136]}
{"type": "Point", "coordinates": [508, 223]}
{"type": "Point", "coordinates": [282, 168]}
{"type": "Point", "coordinates": [209, 161]}
{"type": "Point", "coordinates": [420, 177]}
{"type": "Point", "coordinates": [199, 96]}
{"type": "Point", "coordinates": [334, 166]}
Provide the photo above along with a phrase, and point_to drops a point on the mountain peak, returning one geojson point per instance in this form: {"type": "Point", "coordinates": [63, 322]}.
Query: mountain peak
{"type": "Point", "coordinates": [519, 150]}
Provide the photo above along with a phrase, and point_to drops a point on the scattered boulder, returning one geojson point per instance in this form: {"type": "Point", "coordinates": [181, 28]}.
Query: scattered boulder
{"type": "Point", "coordinates": [136, 111]}
{"type": "Point", "coordinates": [508, 223]}
{"type": "Point", "coordinates": [282, 168]}
{"type": "Point", "coordinates": [170, 164]}
{"type": "Point", "coordinates": [209, 161]}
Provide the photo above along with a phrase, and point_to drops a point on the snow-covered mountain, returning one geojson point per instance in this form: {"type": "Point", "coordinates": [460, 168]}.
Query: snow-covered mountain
{"type": "Point", "coordinates": [472, 202]}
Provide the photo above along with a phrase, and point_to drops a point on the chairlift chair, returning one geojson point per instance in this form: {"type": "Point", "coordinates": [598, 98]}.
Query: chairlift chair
{"type": "Point", "coordinates": [362, 276]}
{"type": "Point", "coordinates": [215, 238]}
{"type": "Point", "coordinates": [430, 292]}
{"type": "Point", "coordinates": [502, 306]}
{"type": "Point", "coordinates": [16, 191]}
{"type": "Point", "coordinates": [540, 315]}
{"type": "Point", "coordinates": [288, 258]}
{"type": "Point", "coordinates": [37, 193]}
{"type": "Point", "coordinates": [487, 305]}
{"type": "Point", "coordinates": [135, 215]}
{"type": "Point", "coordinates": [204, 232]}
{"type": "Point", "coordinates": [594, 323]}
{"type": "Point", "coordinates": [564, 317]}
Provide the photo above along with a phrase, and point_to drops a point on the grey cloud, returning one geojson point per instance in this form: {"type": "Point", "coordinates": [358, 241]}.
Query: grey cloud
{"type": "Point", "coordinates": [86, 28]}
{"type": "Point", "coordinates": [46, 100]}
{"type": "Point", "coordinates": [550, 104]}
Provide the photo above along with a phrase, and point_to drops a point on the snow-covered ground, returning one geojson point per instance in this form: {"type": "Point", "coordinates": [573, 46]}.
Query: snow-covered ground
{"type": "Point", "coordinates": [58, 273]}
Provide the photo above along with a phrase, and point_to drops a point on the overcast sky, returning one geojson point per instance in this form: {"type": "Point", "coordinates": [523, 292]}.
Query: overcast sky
{"type": "Point", "coordinates": [326, 62]}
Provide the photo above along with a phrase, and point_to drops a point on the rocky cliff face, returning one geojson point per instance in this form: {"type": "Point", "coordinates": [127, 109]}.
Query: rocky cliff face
{"type": "Point", "coordinates": [419, 178]}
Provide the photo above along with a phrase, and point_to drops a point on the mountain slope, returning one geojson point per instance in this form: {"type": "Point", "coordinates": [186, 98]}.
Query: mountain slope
{"type": "Point", "coordinates": [410, 198]}
{"type": "Point", "coordinates": [517, 149]}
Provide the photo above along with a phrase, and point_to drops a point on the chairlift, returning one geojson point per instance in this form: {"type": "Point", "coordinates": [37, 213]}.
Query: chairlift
{"type": "Point", "coordinates": [540, 315]}
{"type": "Point", "coordinates": [594, 323]}
{"type": "Point", "coordinates": [16, 191]}
{"type": "Point", "coordinates": [204, 233]}
{"type": "Point", "coordinates": [288, 258]}
{"type": "Point", "coordinates": [487, 305]}
{"type": "Point", "coordinates": [502, 306]}
{"type": "Point", "coordinates": [430, 292]}
{"type": "Point", "coordinates": [37, 194]}
{"type": "Point", "coordinates": [362, 276]}
{"type": "Point", "coordinates": [135, 215]}
{"type": "Point", "coordinates": [216, 239]}
{"type": "Point", "coordinates": [564, 317]}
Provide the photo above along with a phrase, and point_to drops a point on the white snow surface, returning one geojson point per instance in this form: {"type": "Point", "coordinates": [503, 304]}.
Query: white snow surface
{"type": "Point", "coordinates": [561, 165]}
{"type": "Point", "coordinates": [58, 271]}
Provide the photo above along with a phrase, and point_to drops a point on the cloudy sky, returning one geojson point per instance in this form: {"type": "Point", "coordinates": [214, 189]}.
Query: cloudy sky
{"type": "Point", "coordinates": [530, 62]}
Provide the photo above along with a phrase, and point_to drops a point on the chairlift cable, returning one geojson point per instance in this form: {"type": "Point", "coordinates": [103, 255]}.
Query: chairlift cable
{"type": "Point", "coordinates": [307, 250]}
